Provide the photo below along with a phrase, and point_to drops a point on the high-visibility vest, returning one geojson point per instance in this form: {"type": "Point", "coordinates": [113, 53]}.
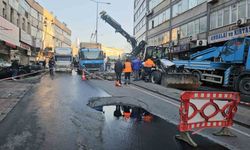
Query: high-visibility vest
{"type": "Point", "coordinates": [128, 67]}
{"type": "Point", "coordinates": [149, 63]}
{"type": "Point", "coordinates": [126, 114]}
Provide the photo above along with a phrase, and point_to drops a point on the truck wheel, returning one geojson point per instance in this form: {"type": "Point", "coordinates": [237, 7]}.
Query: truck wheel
{"type": "Point", "coordinates": [156, 77]}
{"type": "Point", "coordinates": [197, 75]}
{"type": "Point", "coordinates": [244, 85]}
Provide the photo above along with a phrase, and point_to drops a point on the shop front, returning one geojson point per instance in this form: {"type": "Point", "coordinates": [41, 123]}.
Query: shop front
{"type": "Point", "coordinates": [25, 47]}
{"type": "Point", "coordinates": [222, 37]}
{"type": "Point", "coordinates": [9, 39]}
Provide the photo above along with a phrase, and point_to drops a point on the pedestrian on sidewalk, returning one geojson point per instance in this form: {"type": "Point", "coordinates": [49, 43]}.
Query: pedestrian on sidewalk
{"type": "Point", "coordinates": [136, 64]}
{"type": "Point", "coordinates": [44, 64]}
{"type": "Point", "coordinates": [118, 71]}
{"type": "Point", "coordinates": [14, 67]}
{"type": "Point", "coordinates": [107, 64]}
{"type": "Point", "coordinates": [127, 70]}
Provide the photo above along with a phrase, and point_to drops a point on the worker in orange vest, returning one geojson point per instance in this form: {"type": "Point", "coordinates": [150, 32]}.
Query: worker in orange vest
{"type": "Point", "coordinates": [127, 70]}
{"type": "Point", "coordinates": [148, 64]}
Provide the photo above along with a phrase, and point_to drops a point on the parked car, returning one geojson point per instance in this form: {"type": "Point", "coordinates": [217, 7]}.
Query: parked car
{"type": "Point", "coordinates": [5, 72]}
{"type": "Point", "coordinates": [4, 63]}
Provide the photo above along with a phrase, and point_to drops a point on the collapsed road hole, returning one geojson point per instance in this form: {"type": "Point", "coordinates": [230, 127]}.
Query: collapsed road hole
{"type": "Point", "coordinates": [125, 112]}
{"type": "Point", "coordinates": [137, 130]}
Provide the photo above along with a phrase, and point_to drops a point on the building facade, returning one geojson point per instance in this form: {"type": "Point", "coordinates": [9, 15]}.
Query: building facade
{"type": "Point", "coordinates": [186, 26]}
{"type": "Point", "coordinates": [29, 32]}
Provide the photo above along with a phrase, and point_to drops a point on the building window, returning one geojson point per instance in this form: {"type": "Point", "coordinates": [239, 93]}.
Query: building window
{"type": "Point", "coordinates": [213, 20]}
{"type": "Point", "coordinates": [174, 34]}
{"type": "Point", "coordinates": [194, 27]}
{"type": "Point", "coordinates": [183, 31]}
{"type": "Point", "coordinates": [11, 15]}
{"type": "Point", "coordinates": [248, 6]}
{"type": "Point", "coordinates": [242, 9]}
{"type": "Point", "coordinates": [192, 3]}
{"type": "Point", "coordinates": [185, 5]}
{"type": "Point", "coordinates": [234, 13]}
{"type": "Point", "coordinates": [23, 24]}
{"type": "Point", "coordinates": [220, 18]}
{"type": "Point", "coordinates": [29, 28]}
{"type": "Point", "coordinates": [159, 19]}
{"type": "Point", "coordinates": [18, 20]}
{"type": "Point", "coordinates": [203, 24]}
{"type": "Point", "coordinates": [154, 3]}
{"type": "Point", "coordinates": [226, 16]}
{"type": "Point", "coordinates": [4, 10]}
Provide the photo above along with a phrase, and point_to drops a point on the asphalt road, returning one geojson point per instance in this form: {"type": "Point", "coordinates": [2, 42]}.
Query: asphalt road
{"type": "Point", "coordinates": [54, 115]}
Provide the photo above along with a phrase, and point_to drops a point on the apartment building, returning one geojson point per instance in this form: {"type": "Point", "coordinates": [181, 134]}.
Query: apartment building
{"type": "Point", "coordinates": [29, 32]}
{"type": "Point", "coordinates": [186, 26]}
{"type": "Point", "coordinates": [140, 27]}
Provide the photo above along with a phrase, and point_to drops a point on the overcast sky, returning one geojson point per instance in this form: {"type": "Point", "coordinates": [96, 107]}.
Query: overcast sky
{"type": "Point", "coordinates": [80, 16]}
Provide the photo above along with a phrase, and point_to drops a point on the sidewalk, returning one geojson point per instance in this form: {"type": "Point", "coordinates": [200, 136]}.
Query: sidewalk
{"type": "Point", "coordinates": [242, 115]}
{"type": "Point", "coordinates": [11, 93]}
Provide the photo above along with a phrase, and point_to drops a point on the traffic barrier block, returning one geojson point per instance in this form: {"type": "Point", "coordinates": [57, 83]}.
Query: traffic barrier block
{"type": "Point", "coordinates": [203, 109]}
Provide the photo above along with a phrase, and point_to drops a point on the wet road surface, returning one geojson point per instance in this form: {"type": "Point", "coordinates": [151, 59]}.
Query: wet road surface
{"type": "Point", "coordinates": [54, 115]}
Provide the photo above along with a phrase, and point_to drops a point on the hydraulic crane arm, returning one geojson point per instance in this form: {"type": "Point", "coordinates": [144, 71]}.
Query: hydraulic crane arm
{"type": "Point", "coordinates": [118, 28]}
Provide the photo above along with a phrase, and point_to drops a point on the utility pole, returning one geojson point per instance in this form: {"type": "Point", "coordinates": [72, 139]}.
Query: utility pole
{"type": "Point", "coordinates": [97, 13]}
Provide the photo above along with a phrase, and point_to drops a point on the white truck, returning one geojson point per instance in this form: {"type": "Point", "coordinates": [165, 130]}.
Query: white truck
{"type": "Point", "coordinates": [63, 59]}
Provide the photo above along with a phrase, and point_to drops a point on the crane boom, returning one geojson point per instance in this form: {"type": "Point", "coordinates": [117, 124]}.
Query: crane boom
{"type": "Point", "coordinates": [118, 28]}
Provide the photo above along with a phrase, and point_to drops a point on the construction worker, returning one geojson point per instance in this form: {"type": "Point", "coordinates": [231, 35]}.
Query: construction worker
{"type": "Point", "coordinates": [136, 64]}
{"type": "Point", "coordinates": [118, 72]}
{"type": "Point", "coordinates": [127, 70]}
{"type": "Point", "coordinates": [148, 64]}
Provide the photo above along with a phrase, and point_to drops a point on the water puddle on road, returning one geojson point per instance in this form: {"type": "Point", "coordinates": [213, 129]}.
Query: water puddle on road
{"type": "Point", "coordinates": [129, 127]}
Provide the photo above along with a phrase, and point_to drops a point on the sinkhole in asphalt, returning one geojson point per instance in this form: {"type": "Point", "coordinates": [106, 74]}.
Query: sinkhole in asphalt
{"type": "Point", "coordinates": [134, 126]}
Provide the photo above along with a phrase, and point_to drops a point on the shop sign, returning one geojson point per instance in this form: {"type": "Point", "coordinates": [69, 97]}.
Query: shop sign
{"type": "Point", "coordinates": [224, 36]}
{"type": "Point", "coordinates": [9, 32]}
{"type": "Point", "coordinates": [25, 46]}
{"type": "Point", "coordinates": [26, 38]}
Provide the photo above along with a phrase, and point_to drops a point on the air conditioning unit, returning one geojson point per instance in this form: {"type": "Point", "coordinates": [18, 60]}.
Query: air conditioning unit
{"type": "Point", "coordinates": [149, 12]}
{"type": "Point", "coordinates": [193, 37]}
{"type": "Point", "coordinates": [241, 21]}
{"type": "Point", "coordinates": [201, 43]}
{"type": "Point", "coordinates": [212, 1]}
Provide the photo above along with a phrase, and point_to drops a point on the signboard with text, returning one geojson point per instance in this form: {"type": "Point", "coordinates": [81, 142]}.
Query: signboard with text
{"type": "Point", "coordinates": [224, 36]}
{"type": "Point", "coordinates": [9, 32]}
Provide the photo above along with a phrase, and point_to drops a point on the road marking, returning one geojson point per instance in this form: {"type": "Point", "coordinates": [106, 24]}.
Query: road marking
{"type": "Point", "coordinates": [239, 131]}
{"type": "Point", "coordinates": [177, 105]}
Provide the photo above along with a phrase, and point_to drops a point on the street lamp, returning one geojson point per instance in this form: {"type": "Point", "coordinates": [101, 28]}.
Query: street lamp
{"type": "Point", "coordinates": [97, 7]}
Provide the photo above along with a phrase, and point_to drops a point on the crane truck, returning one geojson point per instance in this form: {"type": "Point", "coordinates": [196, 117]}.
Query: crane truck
{"type": "Point", "coordinates": [227, 65]}
{"type": "Point", "coordinates": [136, 48]}
{"type": "Point", "coordinates": [161, 72]}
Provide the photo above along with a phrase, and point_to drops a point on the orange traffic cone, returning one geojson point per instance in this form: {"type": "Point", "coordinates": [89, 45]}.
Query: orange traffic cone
{"type": "Point", "coordinates": [83, 76]}
{"type": "Point", "coordinates": [117, 83]}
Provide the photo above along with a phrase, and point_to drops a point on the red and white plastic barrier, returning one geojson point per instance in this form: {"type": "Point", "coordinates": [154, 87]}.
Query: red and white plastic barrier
{"type": "Point", "coordinates": [204, 109]}
{"type": "Point", "coordinates": [207, 109]}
